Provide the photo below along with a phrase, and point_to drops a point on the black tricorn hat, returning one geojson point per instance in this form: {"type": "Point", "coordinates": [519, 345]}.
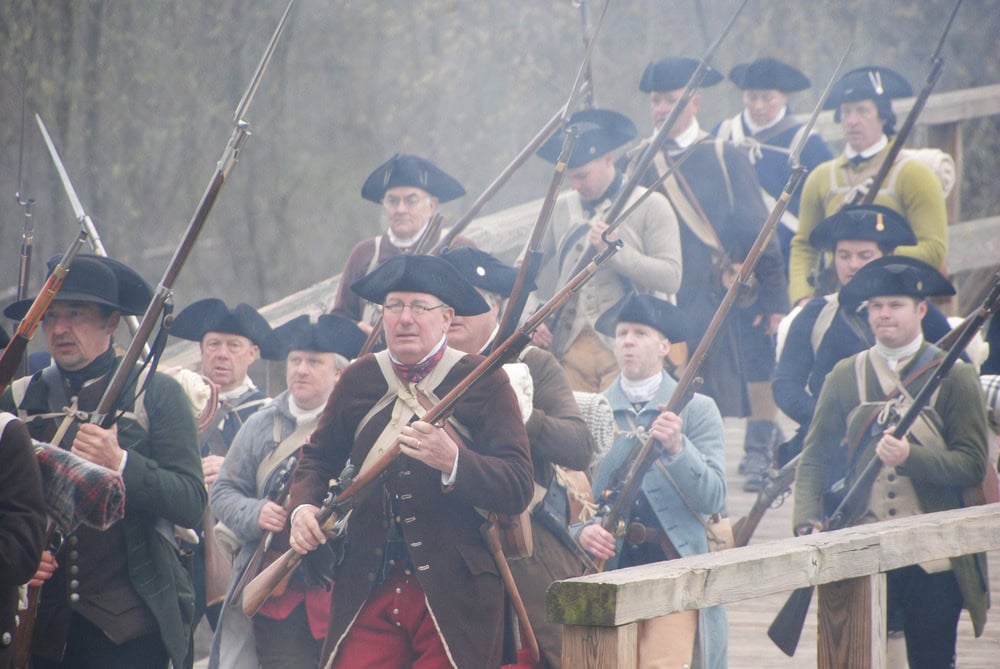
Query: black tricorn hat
{"type": "Point", "coordinates": [868, 83]}
{"type": "Point", "coordinates": [329, 334]}
{"type": "Point", "coordinates": [212, 315]}
{"type": "Point", "coordinates": [879, 84]}
{"type": "Point", "coordinates": [406, 170]}
{"type": "Point", "coordinates": [894, 275]}
{"type": "Point", "coordinates": [98, 280]}
{"type": "Point", "coordinates": [483, 270]}
{"type": "Point", "coordinates": [600, 131]}
{"type": "Point", "coordinates": [658, 314]}
{"type": "Point", "coordinates": [769, 73]}
{"type": "Point", "coordinates": [421, 274]}
{"type": "Point", "coordinates": [671, 73]}
{"type": "Point", "coordinates": [867, 222]}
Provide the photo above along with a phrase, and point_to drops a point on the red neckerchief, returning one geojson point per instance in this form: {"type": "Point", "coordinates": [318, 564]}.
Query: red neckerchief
{"type": "Point", "coordinates": [416, 372]}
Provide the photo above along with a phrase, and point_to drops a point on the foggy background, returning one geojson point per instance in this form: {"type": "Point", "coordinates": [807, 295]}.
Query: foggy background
{"type": "Point", "coordinates": [139, 97]}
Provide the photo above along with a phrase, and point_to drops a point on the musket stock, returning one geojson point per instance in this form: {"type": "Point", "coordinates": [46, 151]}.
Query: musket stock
{"type": "Point", "coordinates": [13, 354]}
{"type": "Point", "coordinates": [778, 485]}
{"type": "Point", "coordinates": [279, 496]}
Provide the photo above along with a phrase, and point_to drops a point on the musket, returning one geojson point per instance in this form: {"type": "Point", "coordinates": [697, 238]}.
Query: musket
{"type": "Point", "coordinates": [340, 499]}
{"type": "Point", "coordinates": [626, 481]}
{"type": "Point", "coordinates": [28, 233]}
{"type": "Point", "coordinates": [777, 488]}
{"type": "Point", "coordinates": [780, 482]}
{"type": "Point", "coordinates": [532, 260]}
{"type": "Point", "coordinates": [151, 318]}
{"type": "Point", "coordinates": [937, 63]}
{"type": "Point", "coordinates": [580, 86]}
{"type": "Point", "coordinates": [13, 354]}
{"type": "Point", "coordinates": [278, 495]}
{"type": "Point", "coordinates": [656, 143]}
{"type": "Point", "coordinates": [82, 217]}
{"type": "Point", "coordinates": [588, 97]}
{"type": "Point", "coordinates": [786, 628]}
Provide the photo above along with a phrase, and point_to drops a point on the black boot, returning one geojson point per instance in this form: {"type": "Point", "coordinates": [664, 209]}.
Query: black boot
{"type": "Point", "coordinates": [762, 437]}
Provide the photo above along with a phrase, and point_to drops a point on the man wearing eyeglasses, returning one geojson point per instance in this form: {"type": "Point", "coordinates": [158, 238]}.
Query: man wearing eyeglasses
{"type": "Point", "coordinates": [409, 188]}
{"type": "Point", "coordinates": [418, 585]}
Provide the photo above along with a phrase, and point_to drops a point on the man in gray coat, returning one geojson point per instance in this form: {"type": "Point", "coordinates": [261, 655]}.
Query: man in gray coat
{"type": "Point", "coordinates": [685, 484]}
{"type": "Point", "coordinates": [290, 628]}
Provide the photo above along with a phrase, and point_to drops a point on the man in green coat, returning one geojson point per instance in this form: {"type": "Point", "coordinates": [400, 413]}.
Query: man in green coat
{"type": "Point", "coordinates": [118, 598]}
{"type": "Point", "coordinates": [939, 465]}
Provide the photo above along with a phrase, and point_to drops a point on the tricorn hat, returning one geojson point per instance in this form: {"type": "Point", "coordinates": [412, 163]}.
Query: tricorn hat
{"type": "Point", "coordinates": [406, 170]}
{"type": "Point", "coordinates": [769, 73]}
{"type": "Point", "coordinates": [894, 275]}
{"type": "Point", "coordinates": [329, 334]}
{"type": "Point", "coordinates": [879, 84]}
{"type": "Point", "coordinates": [212, 315]}
{"type": "Point", "coordinates": [658, 314]}
{"type": "Point", "coordinates": [671, 73]}
{"type": "Point", "coordinates": [483, 270]}
{"type": "Point", "coordinates": [867, 222]}
{"type": "Point", "coordinates": [421, 274]}
{"type": "Point", "coordinates": [98, 280]}
{"type": "Point", "coordinates": [600, 131]}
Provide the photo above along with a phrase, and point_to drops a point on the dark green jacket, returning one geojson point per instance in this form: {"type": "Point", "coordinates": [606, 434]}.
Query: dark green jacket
{"type": "Point", "coordinates": [939, 476]}
{"type": "Point", "coordinates": [163, 486]}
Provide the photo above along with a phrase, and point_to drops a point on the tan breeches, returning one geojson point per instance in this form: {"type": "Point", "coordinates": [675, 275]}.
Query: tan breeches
{"type": "Point", "coordinates": [667, 642]}
{"type": "Point", "coordinates": [589, 365]}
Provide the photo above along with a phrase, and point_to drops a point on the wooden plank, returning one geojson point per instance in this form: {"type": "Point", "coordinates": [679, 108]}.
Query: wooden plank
{"type": "Point", "coordinates": [600, 647]}
{"type": "Point", "coordinates": [852, 623]}
{"type": "Point", "coordinates": [636, 593]}
{"type": "Point", "coordinates": [974, 245]}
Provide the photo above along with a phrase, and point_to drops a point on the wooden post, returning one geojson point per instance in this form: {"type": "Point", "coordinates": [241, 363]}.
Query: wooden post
{"type": "Point", "coordinates": [851, 626]}
{"type": "Point", "coordinates": [591, 647]}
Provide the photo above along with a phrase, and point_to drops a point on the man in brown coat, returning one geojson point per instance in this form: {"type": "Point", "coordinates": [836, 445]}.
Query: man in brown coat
{"type": "Point", "coordinates": [556, 431]}
{"type": "Point", "coordinates": [417, 583]}
{"type": "Point", "coordinates": [409, 188]}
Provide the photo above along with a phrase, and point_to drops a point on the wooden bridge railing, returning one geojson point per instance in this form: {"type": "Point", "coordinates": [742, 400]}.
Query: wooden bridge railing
{"type": "Point", "coordinates": [503, 233]}
{"type": "Point", "coordinates": [600, 612]}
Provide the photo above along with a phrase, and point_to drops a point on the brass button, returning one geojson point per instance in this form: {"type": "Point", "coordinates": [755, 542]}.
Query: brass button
{"type": "Point", "coordinates": [73, 555]}
{"type": "Point", "coordinates": [74, 584]}
{"type": "Point", "coordinates": [6, 638]}
{"type": "Point", "coordinates": [74, 598]}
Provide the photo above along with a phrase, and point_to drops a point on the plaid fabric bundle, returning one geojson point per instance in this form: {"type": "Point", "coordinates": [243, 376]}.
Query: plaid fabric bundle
{"type": "Point", "coordinates": [78, 492]}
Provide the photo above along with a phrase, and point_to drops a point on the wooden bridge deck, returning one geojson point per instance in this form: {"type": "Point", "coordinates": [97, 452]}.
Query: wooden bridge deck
{"type": "Point", "coordinates": [749, 647]}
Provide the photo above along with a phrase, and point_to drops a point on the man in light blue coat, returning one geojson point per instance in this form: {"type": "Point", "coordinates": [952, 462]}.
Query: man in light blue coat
{"type": "Point", "coordinates": [289, 629]}
{"type": "Point", "coordinates": [685, 485]}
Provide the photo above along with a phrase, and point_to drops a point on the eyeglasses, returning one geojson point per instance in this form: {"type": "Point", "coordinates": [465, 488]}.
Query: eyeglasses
{"type": "Point", "coordinates": [391, 202]}
{"type": "Point", "coordinates": [416, 308]}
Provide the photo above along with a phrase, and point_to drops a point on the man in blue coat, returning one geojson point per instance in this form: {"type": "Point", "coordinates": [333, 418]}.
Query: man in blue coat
{"type": "Point", "coordinates": [767, 131]}
{"type": "Point", "coordinates": [686, 484]}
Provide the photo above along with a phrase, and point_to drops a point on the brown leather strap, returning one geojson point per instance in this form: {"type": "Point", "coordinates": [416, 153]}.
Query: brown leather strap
{"type": "Point", "coordinates": [637, 534]}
